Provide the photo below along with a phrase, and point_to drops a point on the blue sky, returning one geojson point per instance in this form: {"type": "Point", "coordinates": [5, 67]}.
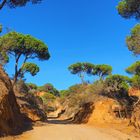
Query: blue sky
{"type": "Point", "coordinates": [75, 31]}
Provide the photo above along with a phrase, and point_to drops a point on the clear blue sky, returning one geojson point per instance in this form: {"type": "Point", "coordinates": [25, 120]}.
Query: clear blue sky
{"type": "Point", "coordinates": [75, 31]}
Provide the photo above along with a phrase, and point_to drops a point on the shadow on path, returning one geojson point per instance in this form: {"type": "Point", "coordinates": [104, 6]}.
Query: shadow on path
{"type": "Point", "coordinates": [55, 121]}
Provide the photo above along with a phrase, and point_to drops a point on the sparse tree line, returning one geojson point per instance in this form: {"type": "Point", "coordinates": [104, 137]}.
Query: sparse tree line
{"type": "Point", "coordinates": [114, 83]}
{"type": "Point", "coordinates": [131, 9]}
{"type": "Point", "coordinates": [45, 91]}
{"type": "Point", "coordinates": [23, 48]}
{"type": "Point", "coordinates": [90, 69]}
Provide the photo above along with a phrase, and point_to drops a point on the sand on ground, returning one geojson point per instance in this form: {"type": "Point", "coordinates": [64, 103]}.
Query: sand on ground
{"type": "Point", "coordinates": [72, 132]}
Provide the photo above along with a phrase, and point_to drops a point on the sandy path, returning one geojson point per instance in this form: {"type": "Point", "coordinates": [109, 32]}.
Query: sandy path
{"type": "Point", "coordinates": [72, 132]}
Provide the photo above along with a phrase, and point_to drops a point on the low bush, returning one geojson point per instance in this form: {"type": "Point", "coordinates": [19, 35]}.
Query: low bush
{"type": "Point", "coordinates": [48, 97]}
{"type": "Point", "coordinates": [116, 86]}
{"type": "Point", "coordinates": [49, 88]}
{"type": "Point", "coordinates": [21, 87]}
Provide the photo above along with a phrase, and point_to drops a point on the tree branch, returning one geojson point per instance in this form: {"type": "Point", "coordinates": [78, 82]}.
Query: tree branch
{"type": "Point", "coordinates": [2, 4]}
{"type": "Point", "coordinates": [11, 53]}
{"type": "Point", "coordinates": [19, 71]}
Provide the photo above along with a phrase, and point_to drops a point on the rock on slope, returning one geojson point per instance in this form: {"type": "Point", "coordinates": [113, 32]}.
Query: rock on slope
{"type": "Point", "coordinates": [10, 116]}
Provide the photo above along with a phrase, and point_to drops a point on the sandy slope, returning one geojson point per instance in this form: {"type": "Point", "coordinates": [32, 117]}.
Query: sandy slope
{"type": "Point", "coordinates": [72, 132]}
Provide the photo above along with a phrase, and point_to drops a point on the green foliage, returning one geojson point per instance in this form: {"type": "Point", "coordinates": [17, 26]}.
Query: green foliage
{"type": "Point", "coordinates": [132, 41]}
{"type": "Point", "coordinates": [64, 93]}
{"type": "Point", "coordinates": [32, 86]}
{"type": "Point", "coordinates": [78, 88]}
{"type": "Point", "coordinates": [88, 68]}
{"type": "Point", "coordinates": [75, 89]}
{"type": "Point", "coordinates": [134, 68]}
{"type": "Point", "coordinates": [97, 87]}
{"type": "Point", "coordinates": [48, 97]}
{"type": "Point", "coordinates": [117, 85]}
{"type": "Point", "coordinates": [81, 69]}
{"type": "Point", "coordinates": [129, 8]}
{"type": "Point", "coordinates": [25, 46]}
{"type": "Point", "coordinates": [18, 44]}
{"type": "Point", "coordinates": [135, 30]}
{"type": "Point", "coordinates": [0, 28]}
{"type": "Point", "coordinates": [78, 68]}
{"type": "Point", "coordinates": [102, 70]}
{"type": "Point", "coordinates": [49, 88]}
{"type": "Point", "coordinates": [3, 58]}
{"type": "Point", "coordinates": [135, 81]}
{"type": "Point", "coordinates": [32, 68]}
{"type": "Point", "coordinates": [17, 3]}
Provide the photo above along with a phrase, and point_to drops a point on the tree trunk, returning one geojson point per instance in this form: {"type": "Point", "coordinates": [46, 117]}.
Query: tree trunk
{"type": "Point", "coordinates": [82, 78]}
{"type": "Point", "coordinates": [16, 70]}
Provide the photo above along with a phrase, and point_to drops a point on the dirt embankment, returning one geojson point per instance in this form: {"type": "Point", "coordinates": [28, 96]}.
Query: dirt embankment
{"type": "Point", "coordinates": [17, 110]}
{"type": "Point", "coordinates": [31, 106]}
{"type": "Point", "coordinates": [11, 119]}
{"type": "Point", "coordinates": [104, 111]}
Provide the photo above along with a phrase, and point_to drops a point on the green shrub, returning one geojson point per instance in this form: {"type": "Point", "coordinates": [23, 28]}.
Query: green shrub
{"type": "Point", "coordinates": [33, 100]}
{"type": "Point", "coordinates": [97, 87]}
{"type": "Point", "coordinates": [48, 97]}
{"type": "Point", "coordinates": [21, 87]}
{"type": "Point", "coordinates": [117, 86]}
{"type": "Point", "coordinates": [135, 81]}
{"type": "Point", "coordinates": [64, 93]}
{"type": "Point", "coordinates": [50, 89]}
{"type": "Point", "coordinates": [32, 86]}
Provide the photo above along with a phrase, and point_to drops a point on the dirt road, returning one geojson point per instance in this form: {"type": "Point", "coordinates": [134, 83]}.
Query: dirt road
{"type": "Point", "coordinates": [72, 132]}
